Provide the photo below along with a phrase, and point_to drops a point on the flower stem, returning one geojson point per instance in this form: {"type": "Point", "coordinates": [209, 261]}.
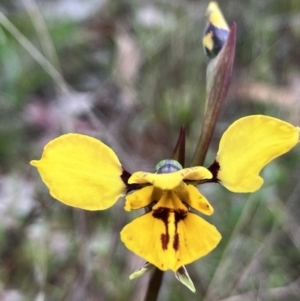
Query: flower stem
{"type": "Point", "coordinates": [154, 285]}
{"type": "Point", "coordinates": [218, 78]}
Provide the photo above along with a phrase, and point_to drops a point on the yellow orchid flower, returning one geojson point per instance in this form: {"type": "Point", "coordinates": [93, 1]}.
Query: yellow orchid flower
{"type": "Point", "coordinates": [174, 236]}
{"type": "Point", "coordinates": [82, 172]}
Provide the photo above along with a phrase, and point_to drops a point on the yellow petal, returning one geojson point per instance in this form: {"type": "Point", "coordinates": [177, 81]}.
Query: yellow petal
{"type": "Point", "coordinates": [81, 171]}
{"type": "Point", "coordinates": [248, 145]}
{"type": "Point", "coordinates": [142, 198]}
{"type": "Point", "coordinates": [215, 16]}
{"type": "Point", "coordinates": [190, 195]}
{"type": "Point", "coordinates": [169, 239]}
{"type": "Point", "coordinates": [197, 173]}
{"type": "Point", "coordinates": [168, 181]}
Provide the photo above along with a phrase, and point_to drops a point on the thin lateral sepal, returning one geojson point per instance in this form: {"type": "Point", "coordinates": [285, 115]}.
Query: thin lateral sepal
{"type": "Point", "coordinates": [141, 271]}
{"type": "Point", "coordinates": [182, 275]}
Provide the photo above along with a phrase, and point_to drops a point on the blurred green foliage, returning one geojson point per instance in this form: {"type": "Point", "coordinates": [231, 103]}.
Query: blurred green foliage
{"type": "Point", "coordinates": [136, 100]}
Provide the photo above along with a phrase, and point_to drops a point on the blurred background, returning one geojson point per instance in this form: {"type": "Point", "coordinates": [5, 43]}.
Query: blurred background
{"type": "Point", "coordinates": [131, 73]}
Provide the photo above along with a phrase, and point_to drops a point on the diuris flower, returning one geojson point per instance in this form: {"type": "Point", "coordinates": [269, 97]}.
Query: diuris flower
{"type": "Point", "coordinates": [170, 236]}
{"type": "Point", "coordinates": [82, 172]}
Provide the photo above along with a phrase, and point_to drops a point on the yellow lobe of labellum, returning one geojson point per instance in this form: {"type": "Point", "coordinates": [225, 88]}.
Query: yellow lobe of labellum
{"type": "Point", "coordinates": [247, 146]}
{"type": "Point", "coordinates": [170, 236]}
{"type": "Point", "coordinates": [191, 196]}
{"type": "Point", "coordinates": [169, 181]}
{"type": "Point", "coordinates": [141, 198]}
{"type": "Point", "coordinates": [81, 171]}
{"type": "Point", "coordinates": [188, 194]}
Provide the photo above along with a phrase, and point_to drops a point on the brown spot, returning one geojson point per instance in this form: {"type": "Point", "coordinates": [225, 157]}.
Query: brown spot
{"type": "Point", "coordinates": [180, 215]}
{"type": "Point", "coordinates": [176, 242]}
{"type": "Point", "coordinates": [165, 240]}
{"type": "Point", "coordinates": [163, 214]}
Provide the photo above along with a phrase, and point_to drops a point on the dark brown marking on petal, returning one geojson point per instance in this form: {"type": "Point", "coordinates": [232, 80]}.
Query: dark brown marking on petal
{"type": "Point", "coordinates": [180, 215]}
{"type": "Point", "coordinates": [130, 187]}
{"type": "Point", "coordinates": [165, 240]}
{"type": "Point", "coordinates": [125, 176]}
{"type": "Point", "coordinates": [214, 169]}
{"type": "Point", "coordinates": [163, 214]}
{"type": "Point", "coordinates": [176, 242]}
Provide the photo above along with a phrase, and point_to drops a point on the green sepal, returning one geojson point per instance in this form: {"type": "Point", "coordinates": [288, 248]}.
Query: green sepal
{"type": "Point", "coordinates": [183, 276]}
{"type": "Point", "coordinates": [141, 271]}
